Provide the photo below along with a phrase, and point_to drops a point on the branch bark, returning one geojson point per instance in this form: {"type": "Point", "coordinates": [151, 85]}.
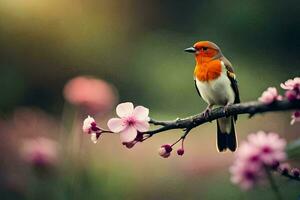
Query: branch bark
{"type": "Point", "coordinates": [250, 108]}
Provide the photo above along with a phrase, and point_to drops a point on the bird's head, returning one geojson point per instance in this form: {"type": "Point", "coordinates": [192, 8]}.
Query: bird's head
{"type": "Point", "coordinates": [205, 50]}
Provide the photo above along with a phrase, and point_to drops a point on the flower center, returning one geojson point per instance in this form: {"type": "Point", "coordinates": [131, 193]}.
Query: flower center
{"type": "Point", "coordinates": [130, 121]}
{"type": "Point", "coordinates": [267, 150]}
{"type": "Point", "coordinates": [254, 158]}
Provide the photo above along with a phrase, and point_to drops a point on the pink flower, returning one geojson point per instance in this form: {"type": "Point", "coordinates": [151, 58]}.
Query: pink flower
{"type": "Point", "coordinates": [245, 175]}
{"type": "Point", "coordinates": [291, 95]}
{"type": "Point", "coordinates": [248, 154]}
{"type": "Point", "coordinates": [270, 146]}
{"type": "Point", "coordinates": [165, 150]}
{"type": "Point", "coordinates": [90, 126]}
{"type": "Point", "coordinates": [295, 172]}
{"type": "Point", "coordinates": [260, 151]}
{"type": "Point", "coordinates": [93, 95]}
{"type": "Point", "coordinates": [295, 117]}
{"type": "Point", "coordinates": [132, 120]}
{"type": "Point", "coordinates": [284, 168]}
{"type": "Point", "coordinates": [293, 88]}
{"type": "Point", "coordinates": [40, 152]}
{"type": "Point", "coordinates": [270, 95]}
{"type": "Point", "coordinates": [291, 84]}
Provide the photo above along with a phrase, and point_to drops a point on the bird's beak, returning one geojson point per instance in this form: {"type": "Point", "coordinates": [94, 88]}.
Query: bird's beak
{"type": "Point", "coordinates": [190, 50]}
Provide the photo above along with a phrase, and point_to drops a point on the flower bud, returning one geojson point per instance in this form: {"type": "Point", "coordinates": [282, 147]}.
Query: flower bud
{"type": "Point", "coordinates": [275, 165]}
{"type": "Point", "coordinates": [88, 123]}
{"type": "Point", "coordinates": [295, 117]}
{"type": "Point", "coordinates": [284, 168]}
{"type": "Point", "coordinates": [295, 172]}
{"type": "Point", "coordinates": [165, 150]}
{"type": "Point", "coordinates": [291, 95]}
{"type": "Point", "coordinates": [180, 151]}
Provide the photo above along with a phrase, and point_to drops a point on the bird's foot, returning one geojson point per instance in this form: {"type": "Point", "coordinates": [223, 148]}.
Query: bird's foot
{"type": "Point", "coordinates": [207, 112]}
{"type": "Point", "coordinates": [225, 109]}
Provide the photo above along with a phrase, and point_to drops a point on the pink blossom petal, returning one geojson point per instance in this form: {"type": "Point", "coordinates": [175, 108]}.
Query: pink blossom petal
{"type": "Point", "coordinates": [269, 96]}
{"type": "Point", "coordinates": [116, 125]}
{"type": "Point", "coordinates": [260, 149]}
{"type": "Point", "coordinates": [87, 124]}
{"type": "Point", "coordinates": [129, 134]}
{"type": "Point", "coordinates": [124, 109]}
{"type": "Point", "coordinates": [279, 98]}
{"type": "Point", "coordinates": [142, 126]}
{"type": "Point", "coordinates": [283, 86]}
{"type": "Point", "coordinates": [94, 138]}
{"type": "Point", "coordinates": [291, 84]}
{"type": "Point", "coordinates": [141, 113]}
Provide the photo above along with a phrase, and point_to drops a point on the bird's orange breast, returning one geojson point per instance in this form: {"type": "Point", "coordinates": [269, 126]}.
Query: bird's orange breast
{"type": "Point", "coordinates": [208, 70]}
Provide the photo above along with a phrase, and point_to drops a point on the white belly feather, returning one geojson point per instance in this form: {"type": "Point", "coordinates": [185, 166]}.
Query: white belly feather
{"type": "Point", "coordinates": [218, 91]}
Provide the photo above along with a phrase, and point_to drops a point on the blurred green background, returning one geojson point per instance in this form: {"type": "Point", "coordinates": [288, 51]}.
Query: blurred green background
{"type": "Point", "coordinates": [137, 46]}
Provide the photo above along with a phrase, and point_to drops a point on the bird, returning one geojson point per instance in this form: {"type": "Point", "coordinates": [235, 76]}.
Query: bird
{"type": "Point", "coordinates": [216, 83]}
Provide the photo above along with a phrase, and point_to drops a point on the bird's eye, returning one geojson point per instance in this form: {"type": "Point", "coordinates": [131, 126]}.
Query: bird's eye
{"type": "Point", "coordinates": [204, 48]}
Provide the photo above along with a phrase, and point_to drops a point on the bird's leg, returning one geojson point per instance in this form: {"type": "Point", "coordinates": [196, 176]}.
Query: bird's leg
{"type": "Point", "coordinates": [225, 110]}
{"type": "Point", "coordinates": [207, 111]}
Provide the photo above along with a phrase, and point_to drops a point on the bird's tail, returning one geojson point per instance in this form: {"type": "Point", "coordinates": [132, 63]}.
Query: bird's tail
{"type": "Point", "coordinates": [226, 137]}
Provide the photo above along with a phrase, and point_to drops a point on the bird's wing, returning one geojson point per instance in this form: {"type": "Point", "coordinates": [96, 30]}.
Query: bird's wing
{"type": "Point", "coordinates": [234, 86]}
{"type": "Point", "coordinates": [197, 88]}
{"type": "Point", "coordinates": [233, 81]}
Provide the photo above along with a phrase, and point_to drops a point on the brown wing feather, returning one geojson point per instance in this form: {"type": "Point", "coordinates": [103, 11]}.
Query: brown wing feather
{"type": "Point", "coordinates": [233, 81]}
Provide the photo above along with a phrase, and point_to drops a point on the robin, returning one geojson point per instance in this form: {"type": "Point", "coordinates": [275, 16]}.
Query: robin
{"type": "Point", "coordinates": [216, 83]}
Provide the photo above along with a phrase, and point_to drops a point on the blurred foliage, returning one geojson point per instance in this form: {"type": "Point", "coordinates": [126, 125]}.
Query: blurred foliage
{"type": "Point", "coordinates": [293, 149]}
{"type": "Point", "coordinates": [138, 47]}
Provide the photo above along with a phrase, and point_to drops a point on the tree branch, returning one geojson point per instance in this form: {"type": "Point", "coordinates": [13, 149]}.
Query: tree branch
{"type": "Point", "coordinates": [250, 108]}
{"type": "Point", "coordinates": [290, 176]}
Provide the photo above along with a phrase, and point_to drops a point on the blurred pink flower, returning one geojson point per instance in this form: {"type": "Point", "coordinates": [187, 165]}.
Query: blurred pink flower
{"type": "Point", "coordinates": [260, 151]}
{"type": "Point", "coordinates": [292, 95]}
{"type": "Point", "coordinates": [284, 168]}
{"type": "Point", "coordinates": [270, 95]}
{"type": "Point", "coordinates": [132, 120]}
{"type": "Point", "coordinates": [165, 150]}
{"type": "Point", "coordinates": [248, 154]}
{"type": "Point", "coordinates": [295, 117]}
{"type": "Point", "coordinates": [293, 88]}
{"type": "Point", "coordinates": [93, 95]}
{"type": "Point", "coordinates": [40, 152]}
{"type": "Point", "coordinates": [245, 176]}
{"type": "Point", "coordinates": [291, 84]}
{"type": "Point", "coordinates": [270, 147]}
{"type": "Point", "coordinates": [295, 172]}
